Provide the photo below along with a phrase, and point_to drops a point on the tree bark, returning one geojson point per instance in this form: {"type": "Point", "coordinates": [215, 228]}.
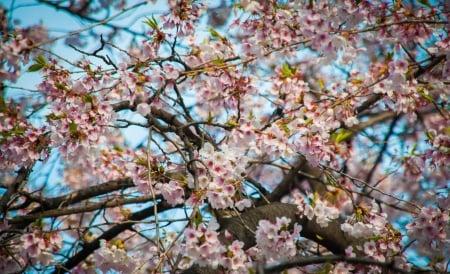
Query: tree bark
{"type": "Point", "coordinates": [242, 228]}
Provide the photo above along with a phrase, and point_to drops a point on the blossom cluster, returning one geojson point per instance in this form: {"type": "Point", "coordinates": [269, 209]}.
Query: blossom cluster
{"type": "Point", "coordinates": [9, 264]}
{"type": "Point", "coordinates": [365, 222]}
{"type": "Point", "coordinates": [202, 245]}
{"type": "Point", "coordinates": [78, 119]}
{"type": "Point", "coordinates": [221, 175]}
{"type": "Point", "coordinates": [287, 79]}
{"type": "Point", "coordinates": [15, 50]}
{"type": "Point", "coordinates": [275, 239]}
{"type": "Point", "coordinates": [183, 16]}
{"type": "Point", "coordinates": [439, 139]}
{"type": "Point", "coordinates": [20, 142]}
{"type": "Point", "coordinates": [313, 207]}
{"type": "Point", "coordinates": [381, 241]}
{"type": "Point", "coordinates": [431, 229]}
{"type": "Point", "coordinates": [322, 212]}
{"type": "Point", "coordinates": [38, 247]}
{"type": "Point", "coordinates": [113, 257]}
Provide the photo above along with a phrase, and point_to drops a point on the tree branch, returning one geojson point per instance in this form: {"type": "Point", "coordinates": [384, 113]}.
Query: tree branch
{"type": "Point", "coordinates": [389, 265]}
{"type": "Point", "coordinates": [29, 218]}
{"type": "Point", "coordinates": [90, 247]}
{"type": "Point", "coordinates": [22, 175]}
{"type": "Point", "coordinates": [69, 199]}
{"type": "Point", "coordinates": [242, 228]}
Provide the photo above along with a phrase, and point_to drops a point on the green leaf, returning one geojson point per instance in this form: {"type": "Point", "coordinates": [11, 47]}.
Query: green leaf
{"type": "Point", "coordinates": [61, 86]}
{"type": "Point", "coordinates": [425, 3]}
{"type": "Point", "coordinates": [330, 179]}
{"type": "Point", "coordinates": [232, 123]}
{"type": "Point", "coordinates": [286, 71]}
{"type": "Point", "coordinates": [321, 83]}
{"type": "Point", "coordinates": [117, 148]}
{"type": "Point", "coordinates": [38, 223]}
{"type": "Point", "coordinates": [87, 98]}
{"type": "Point", "coordinates": [40, 60]}
{"type": "Point", "coordinates": [425, 95]}
{"type": "Point", "coordinates": [447, 130]}
{"type": "Point", "coordinates": [214, 33]}
{"type": "Point", "coordinates": [3, 107]}
{"type": "Point", "coordinates": [35, 67]}
{"type": "Point", "coordinates": [13, 132]}
{"type": "Point", "coordinates": [53, 116]}
{"type": "Point", "coordinates": [251, 115]}
{"type": "Point", "coordinates": [210, 118]}
{"type": "Point", "coordinates": [73, 128]}
{"type": "Point", "coordinates": [218, 61]}
{"type": "Point", "coordinates": [413, 149]}
{"type": "Point", "coordinates": [198, 219]}
{"type": "Point", "coordinates": [341, 135]}
{"type": "Point", "coordinates": [284, 126]}
{"type": "Point", "coordinates": [389, 56]}
{"type": "Point", "coordinates": [151, 22]}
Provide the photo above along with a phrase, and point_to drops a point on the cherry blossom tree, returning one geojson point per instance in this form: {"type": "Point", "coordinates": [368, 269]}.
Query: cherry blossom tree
{"type": "Point", "coordinates": [226, 137]}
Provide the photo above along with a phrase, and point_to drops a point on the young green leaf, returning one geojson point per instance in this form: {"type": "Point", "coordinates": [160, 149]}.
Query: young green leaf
{"type": "Point", "coordinates": [151, 22]}
{"type": "Point", "coordinates": [35, 67]}
{"type": "Point", "coordinates": [286, 71]}
{"type": "Point", "coordinates": [342, 135]}
{"type": "Point", "coordinates": [214, 33]}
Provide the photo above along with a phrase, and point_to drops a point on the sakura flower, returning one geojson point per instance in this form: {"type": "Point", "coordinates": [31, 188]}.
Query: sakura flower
{"type": "Point", "coordinates": [242, 204]}
{"type": "Point", "coordinates": [202, 245]}
{"type": "Point", "coordinates": [171, 71]}
{"type": "Point", "coordinates": [172, 192]}
{"type": "Point", "coordinates": [143, 109]}
{"type": "Point", "coordinates": [111, 257]}
{"type": "Point", "coordinates": [430, 228]}
{"type": "Point", "coordinates": [370, 248]}
{"type": "Point", "coordinates": [9, 265]}
{"type": "Point", "coordinates": [275, 240]}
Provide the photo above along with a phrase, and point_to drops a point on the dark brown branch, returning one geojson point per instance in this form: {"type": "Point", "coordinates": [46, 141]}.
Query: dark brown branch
{"type": "Point", "coordinates": [22, 175]}
{"type": "Point", "coordinates": [71, 198]}
{"type": "Point", "coordinates": [243, 226]}
{"type": "Point", "coordinates": [302, 261]}
{"type": "Point", "coordinates": [90, 247]}
{"type": "Point", "coordinates": [384, 146]}
{"type": "Point", "coordinates": [86, 193]}
{"type": "Point", "coordinates": [170, 119]}
{"type": "Point", "coordinates": [29, 218]}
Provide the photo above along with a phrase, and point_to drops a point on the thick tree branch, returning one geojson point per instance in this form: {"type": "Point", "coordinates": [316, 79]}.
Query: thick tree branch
{"type": "Point", "coordinates": [90, 247]}
{"type": "Point", "coordinates": [242, 228]}
{"type": "Point", "coordinates": [51, 207]}
{"type": "Point", "coordinates": [170, 119]}
{"type": "Point", "coordinates": [388, 265]}
{"type": "Point", "coordinates": [85, 193]}
{"type": "Point", "coordinates": [27, 219]}
{"type": "Point", "coordinates": [383, 148]}
{"type": "Point", "coordinates": [22, 175]}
